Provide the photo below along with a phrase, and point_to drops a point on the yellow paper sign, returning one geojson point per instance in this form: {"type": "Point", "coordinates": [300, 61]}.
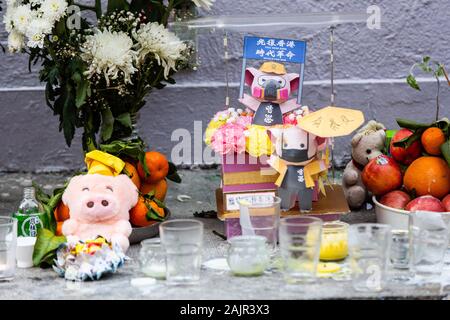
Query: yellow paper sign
{"type": "Point", "coordinates": [331, 122]}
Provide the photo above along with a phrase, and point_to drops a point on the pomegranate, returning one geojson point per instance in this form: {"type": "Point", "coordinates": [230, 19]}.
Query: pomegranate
{"type": "Point", "coordinates": [425, 203]}
{"type": "Point", "coordinates": [405, 155]}
{"type": "Point", "coordinates": [381, 175]}
{"type": "Point", "coordinates": [446, 202]}
{"type": "Point", "coordinates": [396, 199]}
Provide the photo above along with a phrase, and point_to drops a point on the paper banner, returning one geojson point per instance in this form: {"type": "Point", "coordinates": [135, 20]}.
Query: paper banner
{"type": "Point", "coordinates": [331, 122]}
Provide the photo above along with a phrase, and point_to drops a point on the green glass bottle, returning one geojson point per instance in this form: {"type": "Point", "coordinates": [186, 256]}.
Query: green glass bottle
{"type": "Point", "coordinates": [30, 216]}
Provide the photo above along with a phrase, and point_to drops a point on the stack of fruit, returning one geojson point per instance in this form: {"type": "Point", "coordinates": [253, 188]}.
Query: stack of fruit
{"type": "Point", "coordinates": [152, 184]}
{"type": "Point", "coordinates": [414, 174]}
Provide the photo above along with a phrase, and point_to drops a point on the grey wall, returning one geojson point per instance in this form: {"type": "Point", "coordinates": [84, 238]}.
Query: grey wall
{"type": "Point", "coordinates": [370, 68]}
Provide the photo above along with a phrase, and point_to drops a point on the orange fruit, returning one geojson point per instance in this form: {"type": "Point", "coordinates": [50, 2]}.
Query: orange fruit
{"type": "Point", "coordinates": [428, 176]}
{"type": "Point", "coordinates": [132, 172]}
{"type": "Point", "coordinates": [157, 165]}
{"type": "Point", "coordinates": [61, 212]}
{"type": "Point", "coordinates": [59, 225]}
{"type": "Point", "coordinates": [432, 139]}
{"type": "Point", "coordinates": [159, 187]}
{"type": "Point", "coordinates": [139, 214]}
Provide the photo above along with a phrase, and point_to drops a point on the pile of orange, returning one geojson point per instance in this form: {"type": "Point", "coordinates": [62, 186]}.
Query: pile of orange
{"type": "Point", "coordinates": [429, 174]}
{"type": "Point", "coordinates": [61, 214]}
{"type": "Point", "coordinates": [152, 188]}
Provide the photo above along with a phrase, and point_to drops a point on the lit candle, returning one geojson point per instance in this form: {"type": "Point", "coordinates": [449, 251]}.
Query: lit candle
{"type": "Point", "coordinates": [334, 246]}
{"type": "Point", "coordinates": [155, 270]}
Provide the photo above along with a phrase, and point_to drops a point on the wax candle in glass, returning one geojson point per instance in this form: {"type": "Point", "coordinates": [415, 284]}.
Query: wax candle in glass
{"type": "Point", "coordinates": [334, 245]}
{"type": "Point", "coordinates": [153, 259]}
{"type": "Point", "coordinates": [248, 255]}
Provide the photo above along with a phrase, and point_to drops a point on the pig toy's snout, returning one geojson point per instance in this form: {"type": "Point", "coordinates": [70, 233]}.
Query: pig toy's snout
{"type": "Point", "coordinates": [100, 207]}
{"type": "Point", "coordinates": [91, 204]}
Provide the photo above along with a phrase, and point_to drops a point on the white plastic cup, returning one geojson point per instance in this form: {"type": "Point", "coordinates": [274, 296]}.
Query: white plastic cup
{"type": "Point", "coordinates": [24, 252]}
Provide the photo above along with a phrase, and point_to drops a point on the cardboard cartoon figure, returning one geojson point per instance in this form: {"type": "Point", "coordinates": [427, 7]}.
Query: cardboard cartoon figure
{"type": "Point", "coordinates": [99, 205]}
{"type": "Point", "coordinates": [297, 162]}
{"type": "Point", "coordinates": [271, 87]}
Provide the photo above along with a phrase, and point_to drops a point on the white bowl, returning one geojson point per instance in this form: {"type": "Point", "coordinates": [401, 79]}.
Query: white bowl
{"type": "Point", "coordinates": [396, 218]}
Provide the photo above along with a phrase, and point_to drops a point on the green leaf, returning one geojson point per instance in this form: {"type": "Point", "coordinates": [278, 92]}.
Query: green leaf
{"type": "Point", "coordinates": [83, 91]}
{"type": "Point", "coordinates": [117, 5]}
{"type": "Point", "coordinates": [152, 214]}
{"type": "Point", "coordinates": [46, 244]}
{"type": "Point", "coordinates": [411, 80]}
{"type": "Point", "coordinates": [124, 119]}
{"type": "Point", "coordinates": [107, 124]}
{"type": "Point", "coordinates": [445, 149]}
{"type": "Point", "coordinates": [68, 115]}
{"type": "Point", "coordinates": [412, 125]}
{"type": "Point", "coordinates": [408, 141]}
{"type": "Point", "coordinates": [426, 59]}
{"type": "Point", "coordinates": [141, 159]}
{"type": "Point", "coordinates": [172, 174]}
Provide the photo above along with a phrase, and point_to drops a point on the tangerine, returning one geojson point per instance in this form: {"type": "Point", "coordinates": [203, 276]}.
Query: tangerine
{"type": "Point", "coordinates": [61, 212]}
{"type": "Point", "coordinates": [140, 214]}
{"type": "Point", "coordinates": [160, 189]}
{"type": "Point", "coordinates": [59, 225]}
{"type": "Point", "coordinates": [428, 176]}
{"type": "Point", "coordinates": [132, 172]}
{"type": "Point", "coordinates": [157, 165]}
{"type": "Point", "coordinates": [432, 139]}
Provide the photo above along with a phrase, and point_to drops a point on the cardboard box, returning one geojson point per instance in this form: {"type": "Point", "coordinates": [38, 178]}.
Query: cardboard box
{"type": "Point", "coordinates": [328, 208]}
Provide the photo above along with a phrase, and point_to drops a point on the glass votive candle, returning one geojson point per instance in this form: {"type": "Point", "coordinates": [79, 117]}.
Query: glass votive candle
{"type": "Point", "coordinates": [248, 256]}
{"type": "Point", "coordinates": [334, 245]}
{"type": "Point", "coordinates": [152, 259]}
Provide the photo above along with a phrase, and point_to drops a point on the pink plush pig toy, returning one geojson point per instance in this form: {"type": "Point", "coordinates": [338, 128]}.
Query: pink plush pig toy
{"type": "Point", "coordinates": [99, 205]}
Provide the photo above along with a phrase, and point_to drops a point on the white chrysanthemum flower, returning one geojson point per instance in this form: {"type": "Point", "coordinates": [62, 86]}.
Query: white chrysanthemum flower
{"type": "Point", "coordinates": [16, 41]}
{"type": "Point", "coordinates": [22, 17]}
{"type": "Point", "coordinates": [8, 18]}
{"type": "Point", "coordinates": [36, 32]}
{"type": "Point", "coordinates": [206, 4]}
{"type": "Point", "coordinates": [166, 46]}
{"type": "Point", "coordinates": [108, 53]}
{"type": "Point", "coordinates": [11, 3]}
{"type": "Point", "coordinates": [53, 9]}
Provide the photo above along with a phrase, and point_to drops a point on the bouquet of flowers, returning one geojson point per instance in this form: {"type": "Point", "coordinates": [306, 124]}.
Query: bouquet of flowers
{"type": "Point", "coordinates": [99, 70]}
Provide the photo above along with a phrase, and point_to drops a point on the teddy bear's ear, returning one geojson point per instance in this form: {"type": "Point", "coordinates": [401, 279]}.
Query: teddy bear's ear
{"type": "Point", "coordinates": [70, 193]}
{"type": "Point", "coordinates": [128, 193]}
{"type": "Point", "coordinates": [356, 139]}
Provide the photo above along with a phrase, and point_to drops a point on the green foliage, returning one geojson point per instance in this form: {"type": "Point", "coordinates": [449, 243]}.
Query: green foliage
{"type": "Point", "coordinates": [45, 248]}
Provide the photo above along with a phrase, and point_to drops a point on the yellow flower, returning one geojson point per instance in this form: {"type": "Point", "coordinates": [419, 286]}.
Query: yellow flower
{"type": "Point", "coordinates": [212, 128]}
{"type": "Point", "coordinates": [258, 142]}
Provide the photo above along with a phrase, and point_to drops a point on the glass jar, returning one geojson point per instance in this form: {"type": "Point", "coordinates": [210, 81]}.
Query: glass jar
{"type": "Point", "coordinates": [334, 245]}
{"type": "Point", "coordinates": [248, 256]}
{"type": "Point", "coordinates": [152, 259]}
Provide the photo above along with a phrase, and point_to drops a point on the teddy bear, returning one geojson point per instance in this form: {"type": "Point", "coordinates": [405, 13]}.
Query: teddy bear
{"type": "Point", "coordinates": [99, 205]}
{"type": "Point", "coordinates": [367, 144]}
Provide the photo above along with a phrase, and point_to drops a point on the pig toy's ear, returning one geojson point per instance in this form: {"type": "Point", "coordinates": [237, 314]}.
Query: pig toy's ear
{"type": "Point", "coordinates": [294, 80]}
{"type": "Point", "coordinates": [71, 194]}
{"type": "Point", "coordinates": [128, 193]}
{"type": "Point", "coordinates": [250, 74]}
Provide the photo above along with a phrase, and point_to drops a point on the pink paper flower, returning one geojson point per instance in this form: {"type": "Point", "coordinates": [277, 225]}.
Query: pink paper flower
{"type": "Point", "coordinates": [229, 138]}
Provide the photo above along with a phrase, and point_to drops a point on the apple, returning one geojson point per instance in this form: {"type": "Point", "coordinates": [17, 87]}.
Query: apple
{"type": "Point", "coordinates": [381, 175]}
{"type": "Point", "coordinates": [405, 155]}
{"type": "Point", "coordinates": [446, 202]}
{"type": "Point", "coordinates": [425, 203]}
{"type": "Point", "coordinates": [396, 199]}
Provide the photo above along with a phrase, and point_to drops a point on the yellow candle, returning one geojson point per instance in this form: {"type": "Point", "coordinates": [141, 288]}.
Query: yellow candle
{"type": "Point", "coordinates": [334, 245]}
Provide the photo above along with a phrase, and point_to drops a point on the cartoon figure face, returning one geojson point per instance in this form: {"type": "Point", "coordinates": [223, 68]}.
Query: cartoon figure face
{"type": "Point", "coordinates": [271, 86]}
{"type": "Point", "coordinates": [296, 145]}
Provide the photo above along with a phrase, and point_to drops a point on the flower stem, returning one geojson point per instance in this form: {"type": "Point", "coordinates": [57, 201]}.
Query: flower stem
{"type": "Point", "coordinates": [165, 18]}
{"type": "Point", "coordinates": [98, 8]}
{"type": "Point", "coordinates": [437, 97]}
